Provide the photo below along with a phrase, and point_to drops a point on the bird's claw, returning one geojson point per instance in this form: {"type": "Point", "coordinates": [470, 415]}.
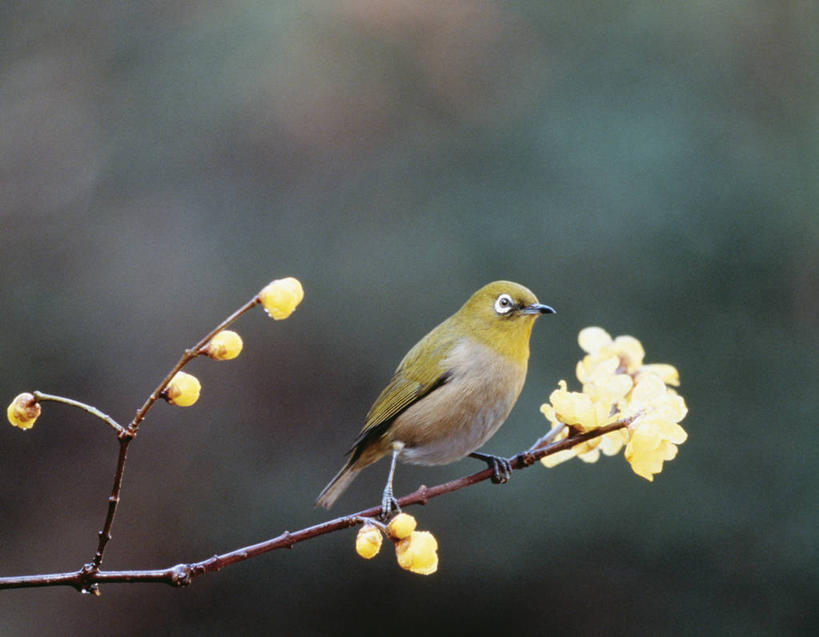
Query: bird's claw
{"type": "Point", "coordinates": [501, 470]}
{"type": "Point", "coordinates": [501, 467]}
{"type": "Point", "coordinates": [388, 505]}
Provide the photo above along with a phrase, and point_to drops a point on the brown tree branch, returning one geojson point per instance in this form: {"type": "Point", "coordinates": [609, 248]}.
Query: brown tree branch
{"type": "Point", "coordinates": [127, 434]}
{"type": "Point", "coordinates": [89, 577]}
{"type": "Point", "coordinates": [113, 502]}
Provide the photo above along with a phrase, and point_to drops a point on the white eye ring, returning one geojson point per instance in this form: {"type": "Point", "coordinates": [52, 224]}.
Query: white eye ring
{"type": "Point", "coordinates": [504, 304]}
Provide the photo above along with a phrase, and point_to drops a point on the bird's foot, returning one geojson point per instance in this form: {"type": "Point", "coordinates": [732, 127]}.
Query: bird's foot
{"type": "Point", "coordinates": [388, 505]}
{"type": "Point", "coordinates": [501, 467]}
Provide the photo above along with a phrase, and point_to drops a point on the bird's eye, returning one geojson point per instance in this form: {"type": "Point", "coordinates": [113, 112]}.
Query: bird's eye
{"type": "Point", "coordinates": [504, 304]}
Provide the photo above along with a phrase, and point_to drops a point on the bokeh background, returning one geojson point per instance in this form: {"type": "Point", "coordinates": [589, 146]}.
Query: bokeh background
{"type": "Point", "coordinates": [647, 167]}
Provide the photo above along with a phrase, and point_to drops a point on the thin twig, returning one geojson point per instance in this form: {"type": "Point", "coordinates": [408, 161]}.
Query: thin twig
{"type": "Point", "coordinates": [188, 356]}
{"type": "Point", "coordinates": [87, 578]}
{"type": "Point", "coordinates": [113, 501]}
{"type": "Point", "coordinates": [127, 434]}
{"type": "Point", "coordinates": [42, 396]}
{"type": "Point", "coordinates": [548, 437]}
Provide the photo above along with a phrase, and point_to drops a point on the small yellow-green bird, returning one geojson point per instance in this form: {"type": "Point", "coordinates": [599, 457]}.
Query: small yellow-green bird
{"type": "Point", "coordinates": [451, 392]}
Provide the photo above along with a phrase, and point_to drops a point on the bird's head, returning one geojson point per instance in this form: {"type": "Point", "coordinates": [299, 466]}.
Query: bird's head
{"type": "Point", "coordinates": [501, 315]}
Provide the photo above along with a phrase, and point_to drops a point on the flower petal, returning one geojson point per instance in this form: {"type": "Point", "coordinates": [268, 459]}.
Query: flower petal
{"type": "Point", "coordinates": [591, 339]}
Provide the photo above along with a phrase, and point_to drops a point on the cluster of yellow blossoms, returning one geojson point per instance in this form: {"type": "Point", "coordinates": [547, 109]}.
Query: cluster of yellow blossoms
{"type": "Point", "coordinates": [617, 386]}
{"type": "Point", "coordinates": [279, 299]}
{"type": "Point", "coordinates": [415, 551]}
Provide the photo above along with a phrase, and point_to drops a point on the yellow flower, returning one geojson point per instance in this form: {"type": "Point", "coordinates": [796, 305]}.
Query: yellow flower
{"type": "Point", "coordinates": [600, 347]}
{"type": "Point", "coordinates": [652, 442]}
{"type": "Point", "coordinates": [603, 384]}
{"type": "Point", "coordinates": [368, 541]}
{"type": "Point", "coordinates": [23, 411]}
{"type": "Point", "coordinates": [280, 297]}
{"type": "Point", "coordinates": [547, 410]}
{"type": "Point", "coordinates": [667, 373]}
{"type": "Point", "coordinates": [616, 386]}
{"type": "Point", "coordinates": [579, 410]}
{"type": "Point", "coordinates": [592, 339]}
{"type": "Point", "coordinates": [558, 457]}
{"type": "Point", "coordinates": [612, 442]}
{"type": "Point", "coordinates": [622, 355]}
{"type": "Point", "coordinates": [401, 526]}
{"type": "Point", "coordinates": [654, 432]}
{"type": "Point", "coordinates": [224, 346]}
{"type": "Point", "coordinates": [650, 397]}
{"type": "Point", "coordinates": [418, 553]}
{"type": "Point", "coordinates": [555, 459]}
{"type": "Point", "coordinates": [588, 451]}
{"type": "Point", "coordinates": [183, 390]}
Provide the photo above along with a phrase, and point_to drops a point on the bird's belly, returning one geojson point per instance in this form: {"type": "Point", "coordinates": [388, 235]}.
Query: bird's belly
{"type": "Point", "coordinates": [457, 418]}
{"type": "Point", "coordinates": [457, 443]}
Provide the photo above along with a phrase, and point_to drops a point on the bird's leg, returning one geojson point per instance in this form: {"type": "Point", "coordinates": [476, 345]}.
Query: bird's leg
{"type": "Point", "coordinates": [388, 501]}
{"type": "Point", "coordinates": [501, 467]}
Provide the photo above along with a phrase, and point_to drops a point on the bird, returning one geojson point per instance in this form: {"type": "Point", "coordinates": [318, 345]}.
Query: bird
{"type": "Point", "coordinates": [451, 392]}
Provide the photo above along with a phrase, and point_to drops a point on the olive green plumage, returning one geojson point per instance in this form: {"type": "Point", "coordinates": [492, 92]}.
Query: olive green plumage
{"type": "Point", "coordinates": [453, 389]}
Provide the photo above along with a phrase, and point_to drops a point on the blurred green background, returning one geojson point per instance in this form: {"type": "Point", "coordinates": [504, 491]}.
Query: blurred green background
{"type": "Point", "coordinates": [647, 167]}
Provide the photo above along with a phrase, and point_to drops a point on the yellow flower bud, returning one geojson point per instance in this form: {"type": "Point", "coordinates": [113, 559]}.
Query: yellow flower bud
{"type": "Point", "coordinates": [183, 390]}
{"type": "Point", "coordinates": [280, 297]}
{"type": "Point", "coordinates": [418, 553]}
{"type": "Point", "coordinates": [224, 346]}
{"type": "Point", "coordinates": [368, 541]}
{"type": "Point", "coordinates": [23, 411]}
{"type": "Point", "coordinates": [401, 526]}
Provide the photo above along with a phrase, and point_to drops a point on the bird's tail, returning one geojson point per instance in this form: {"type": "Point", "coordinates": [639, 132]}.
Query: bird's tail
{"type": "Point", "coordinates": [338, 485]}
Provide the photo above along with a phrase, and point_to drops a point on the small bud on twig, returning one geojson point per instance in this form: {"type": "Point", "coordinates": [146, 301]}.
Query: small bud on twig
{"type": "Point", "coordinates": [280, 297]}
{"type": "Point", "coordinates": [183, 390]}
{"type": "Point", "coordinates": [224, 346]}
{"type": "Point", "coordinates": [23, 411]}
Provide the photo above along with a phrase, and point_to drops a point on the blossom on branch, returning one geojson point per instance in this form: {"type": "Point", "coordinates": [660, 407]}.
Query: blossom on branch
{"type": "Point", "coordinates": [655, 431]}
{"type": "Point", "coordinates": [224, 346]}
{"type": "Point", "coordinates": [618, 387]}
{"type": "Point", "coordinates": [280, 297]}
{"type": "Point", "coordinates": [418, 553]}
{"type": "Point", "coordinates": [368, 541]}
{"type": "Point", "coordinates": [183, 390]}
{"type": "Point", "coordinates": [23, 411]}
{"type": "Point", "coordinates": [415, 551]}
{"type": "Point", "coordinates": [401, 526]}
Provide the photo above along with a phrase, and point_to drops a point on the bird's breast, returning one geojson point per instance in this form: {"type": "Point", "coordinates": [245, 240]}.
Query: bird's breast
{"type": "Point", "coordinates": [457, 418]}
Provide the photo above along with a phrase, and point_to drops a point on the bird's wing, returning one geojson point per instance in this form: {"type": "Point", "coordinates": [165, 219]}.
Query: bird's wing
{"type": "Point", "coordinates": [410, 383]}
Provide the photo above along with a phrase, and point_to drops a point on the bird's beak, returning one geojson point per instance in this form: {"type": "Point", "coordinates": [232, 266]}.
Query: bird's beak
{"type": "Point", "coordinates": [537, 308]}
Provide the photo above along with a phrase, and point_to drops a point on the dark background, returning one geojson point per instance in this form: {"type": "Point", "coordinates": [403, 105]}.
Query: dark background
{"type": "Point", "coordinates": [647, 167]}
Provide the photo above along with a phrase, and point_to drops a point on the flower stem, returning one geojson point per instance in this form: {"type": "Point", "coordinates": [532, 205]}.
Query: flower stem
{"type": "Point", "coordinates": [41, 396]}
{"type": "Point", "coordinates": [187, 357]}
